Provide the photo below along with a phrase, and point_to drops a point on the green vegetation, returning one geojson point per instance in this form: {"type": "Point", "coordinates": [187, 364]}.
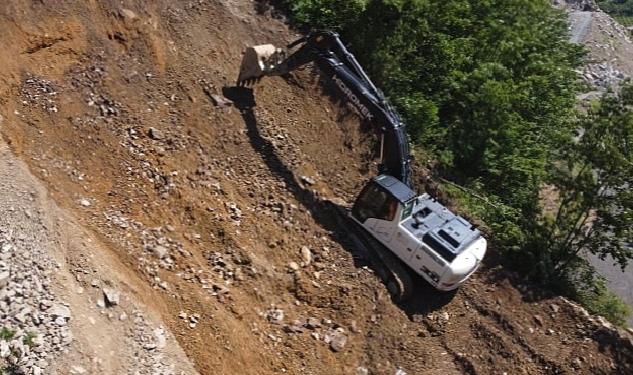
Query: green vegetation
{"type": "Point", "coordinates": [28, 339]}
{"type": "Point", "coordinates": [489, 89]}
{"type": "Point", "coordinates": [6, 334]}
{"type": "Point", "coordinates": [622, 10]}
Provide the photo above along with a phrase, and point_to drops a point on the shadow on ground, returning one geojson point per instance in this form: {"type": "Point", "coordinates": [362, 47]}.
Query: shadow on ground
{"type": "Point", "coordinates": [326, 213]}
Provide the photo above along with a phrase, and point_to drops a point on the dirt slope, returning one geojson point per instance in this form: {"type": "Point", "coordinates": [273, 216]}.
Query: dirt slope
{"type": "Point", "coordinates": [118, 107]}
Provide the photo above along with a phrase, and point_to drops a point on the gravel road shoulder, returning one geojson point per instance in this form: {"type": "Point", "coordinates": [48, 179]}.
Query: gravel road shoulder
{"type": "Point", "coordinates": [64, 306]}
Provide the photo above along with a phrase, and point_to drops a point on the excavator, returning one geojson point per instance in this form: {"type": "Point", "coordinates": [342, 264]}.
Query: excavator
{"type": "Point", "coordinates": [405, 232]}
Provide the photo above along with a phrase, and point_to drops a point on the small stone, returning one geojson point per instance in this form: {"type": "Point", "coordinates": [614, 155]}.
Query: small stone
{"type": "Point", "coordinates": [127, 14]}
{"type": "Point", "coordinates": [353, 326]}
{"type": "Point", "coordinates": [555, 308]}
{"type": "Point", "coordinates": [182, 315]}
{"type": "Point", "coordinates": [337, 341]}
{"type": "Point", "coordinates": [312, 323]}
{"type": "Point", "coordinates": [77, 370]}
{"type": "Point", "coordinates": [293, 266]}
{"type": "Point", "coordinates": [155, 134]}
{"type": "Point", "coordinates": [161, 340]}
{"type": "Point", "coordinates": [60, 311]}
{"type": "Point", "coordinates": [308, 180]}
{"type": "Point", "coordinates": [5, 276]}
{"type": "Point", "coordinates": [123, 317]}
{"type": "Point", "coordinates": [85, 202]}
{"type": "Point", "coordinates": [539, 320]}
{"type": "Point", "coordinates": [111, 296]}
{"type": "Point", "coordinates": [100, 303]}
{"type": "Point", "coordinates": [5, 350]}
{"type": "Point", "coordinates": [94, 283]}
{"type": "Point", "coordinates": [306, 255]}
{"type": "Point", "coordinates": [445, 317]}
{"type": "Point", "coordinates": [160, 251]}
{"type": "Point", "coordinates": [275, 316]}
{"type": "Point", "coordinates": [220, 101]}
{"type": "Point", "coordinates": [360, 370]}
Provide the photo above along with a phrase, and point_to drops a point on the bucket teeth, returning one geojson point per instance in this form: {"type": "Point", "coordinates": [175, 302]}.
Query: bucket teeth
{"type": "Point", "coordinates": [257, 62]}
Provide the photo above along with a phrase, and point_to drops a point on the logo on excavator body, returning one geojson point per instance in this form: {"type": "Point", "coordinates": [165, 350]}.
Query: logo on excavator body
{"type": "Point", "coordinates": [353, 98]}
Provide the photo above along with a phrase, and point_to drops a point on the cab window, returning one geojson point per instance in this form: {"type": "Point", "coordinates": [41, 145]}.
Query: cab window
{"type": "Point", "coordinates": [375, 203]}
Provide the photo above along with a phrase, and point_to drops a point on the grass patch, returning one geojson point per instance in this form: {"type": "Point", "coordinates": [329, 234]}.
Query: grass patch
{"type": "Point", "coordinates": [6, 334]}
{"type": "Point", "coordinates": [28, 339]}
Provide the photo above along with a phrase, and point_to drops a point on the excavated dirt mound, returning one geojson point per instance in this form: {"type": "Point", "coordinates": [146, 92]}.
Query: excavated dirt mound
{"type": "Point", "coordinates": [215, 197]}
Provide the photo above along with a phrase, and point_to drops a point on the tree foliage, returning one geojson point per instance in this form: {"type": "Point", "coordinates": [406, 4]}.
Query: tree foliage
{"type": "Point", "coordinates": [622, 10]}
{"type": "Point", "coordinates": [596, 209]}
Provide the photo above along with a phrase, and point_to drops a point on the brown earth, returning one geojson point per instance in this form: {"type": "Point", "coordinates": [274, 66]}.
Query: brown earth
{"type": "Point", "coordinates": [120, 104]}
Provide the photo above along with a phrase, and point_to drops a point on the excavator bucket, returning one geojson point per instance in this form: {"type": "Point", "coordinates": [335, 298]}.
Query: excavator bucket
{"type": "Point", "coordinates": [259, 61]}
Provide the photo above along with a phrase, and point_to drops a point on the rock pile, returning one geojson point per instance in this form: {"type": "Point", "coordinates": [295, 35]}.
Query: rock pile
{"type": "Point", "coordinates": [33, 323]}
{"type": "Point", "coordinates": [602, 76]}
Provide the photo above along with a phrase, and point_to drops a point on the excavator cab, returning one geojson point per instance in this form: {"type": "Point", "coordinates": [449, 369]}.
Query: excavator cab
{"type": "Point", "coordinates": [382, 198]}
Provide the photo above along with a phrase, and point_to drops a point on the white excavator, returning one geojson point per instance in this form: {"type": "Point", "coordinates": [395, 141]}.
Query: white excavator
{"type": "Point", "coordinates": [393, 223]}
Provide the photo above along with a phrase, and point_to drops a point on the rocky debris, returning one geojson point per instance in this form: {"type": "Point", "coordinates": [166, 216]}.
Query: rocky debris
{"type": "Point", "coordinates": [127, 14]}
{"type": "Point", "coordinates": [153, 341]}
{"type": "Point", "coordinates": [313, 323]}
{"type": "Point", "coordinates": [275, 315]}
{"type": "Point", "coordinates": [336, 338]}
{"type": "Point", "coordinates": [112, 297]}
{"type": "Point", "coordinates": [160, 252]}
{"type": "Point", "coordinates": [39, 92]}
{"type": "Point", "coordinates": [306, 255]}
{"type": "Point", "coordinates": [5, 276]}
{"type": "Point", "coordinates": [308, 180]}
{"type": "Point", "coordinates": [235, 213]}
{"type": "Point", "coordinates": [220, 101]}
{"type": "Point", "coordinates": [85, 202]}
{"type": "Point", "coordinates": [155, 134]}
{"type": "Point", "coordinates": [603, 76]}
{"type": "Point", "coordinates": [58, 311]}
{"type": "Point", "coordinates": [34, 323]}
{"type": "Point", "coordinates": [539, 320]}
{"type": "Point", "coordinates": [293, 266]}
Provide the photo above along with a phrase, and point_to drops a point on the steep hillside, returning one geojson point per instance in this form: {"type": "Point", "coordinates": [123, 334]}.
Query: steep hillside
{"type": "Point", "coordinates": [210, 203]}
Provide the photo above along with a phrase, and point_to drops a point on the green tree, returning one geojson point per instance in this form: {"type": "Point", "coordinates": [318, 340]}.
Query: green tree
{"type": "Point", "coordinates": [596, 209]}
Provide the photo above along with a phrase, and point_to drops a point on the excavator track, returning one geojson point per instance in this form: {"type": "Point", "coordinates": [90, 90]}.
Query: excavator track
{"type": "Point", "coordinates": [384, 263]}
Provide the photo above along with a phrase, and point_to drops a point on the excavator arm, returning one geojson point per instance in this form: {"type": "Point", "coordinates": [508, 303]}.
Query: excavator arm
{"type": "Point", "coordinates": [325, 49]}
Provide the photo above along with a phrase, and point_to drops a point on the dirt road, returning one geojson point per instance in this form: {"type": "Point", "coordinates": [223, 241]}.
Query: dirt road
{"type": "Point", "coordinates": [580, 23]}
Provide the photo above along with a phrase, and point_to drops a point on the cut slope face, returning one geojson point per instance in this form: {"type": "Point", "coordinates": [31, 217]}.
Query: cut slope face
{"type": "Point", "coordinates": [218, 208]}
